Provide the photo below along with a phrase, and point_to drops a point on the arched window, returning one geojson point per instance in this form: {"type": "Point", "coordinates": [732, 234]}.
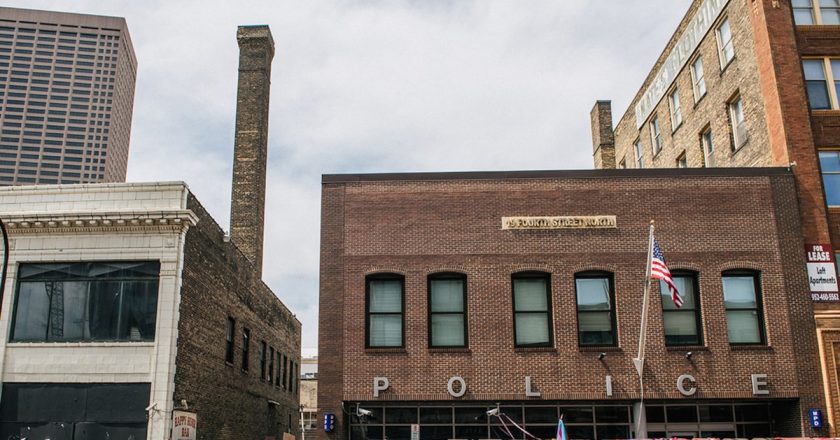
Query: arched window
{"type": "Point", "coordinates": [385, 310]}
{"type": "Point", "coordinates": [532, 309]}
{"type": "Point", "coordinates": [447, 310]}
{"type": "Point", "coordinates": [742, 299]}
{"type": "Point", "coordinates": [595, 297]}
{"type": "Point", "coordinates": [682, 325]}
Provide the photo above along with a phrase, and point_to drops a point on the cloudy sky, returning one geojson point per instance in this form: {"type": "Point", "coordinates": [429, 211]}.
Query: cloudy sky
{"type": "Point", "coordinates": [375, 86]}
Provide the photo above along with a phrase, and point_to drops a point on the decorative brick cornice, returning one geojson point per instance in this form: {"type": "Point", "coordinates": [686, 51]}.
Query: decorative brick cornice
{"type": "Point", "coordinates": [106, 221]}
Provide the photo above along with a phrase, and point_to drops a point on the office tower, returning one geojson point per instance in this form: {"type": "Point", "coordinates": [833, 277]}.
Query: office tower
{"type": "Point", "coordinates": [66, 97]}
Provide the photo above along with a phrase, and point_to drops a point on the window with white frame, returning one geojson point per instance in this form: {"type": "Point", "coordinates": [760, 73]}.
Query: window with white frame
{"type": "Point", "coordinates": [830, 169]}
{"type": "Point", "coordinates": [682, 160]}
{"type": "Point", "coordinates": [726, 48]}
{"type": "Point", "coordinates": [698, 79]}
{"type": "Point", "coordinates": [637, 150]}
{"type": "Point", "coordinates": [822, 79]}
{"type": "Point", "coordinates": [739, 127]}
{"type": "Point", "coordinates": [655, 135]}
{"type": "Point", "coordinates": [708, 147]}
{"type": "Point", "coordinates": [676, 111]}
{"type": "Point", "coordinates": [820, 12]}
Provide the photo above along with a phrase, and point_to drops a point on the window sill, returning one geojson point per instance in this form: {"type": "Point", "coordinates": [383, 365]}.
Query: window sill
{"type": "Point", "coordinates": [750, 347]}
{"type": "Point", "coordinates": [682, 348]}
{"type": "Point", "coordinates": [83, 344]}
{"type": "Point", "coordinates": [398, 350]}
{"type": "Point", "coordinates": [728, 63]}
{"type": "Point", "coordinates": [464, 350]}
{"type": "Point", "coordinates": [674, 131]}
{"type": "Point", "coordinates": [741, 147]}
{"type": "Point", "coordinates": [825, 111]}
{"type": "Point", "coordinates": [535, 350]}
{"type": "Point", "coordinates": [608, 348]}
{"type": "Point", "coordinates": [699, 100]}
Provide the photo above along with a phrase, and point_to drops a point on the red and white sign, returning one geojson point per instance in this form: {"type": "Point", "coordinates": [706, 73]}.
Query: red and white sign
{"type": "Point", "coordinates": [183, 425]}
{"type": "Point", "coordinates": [822, 272]}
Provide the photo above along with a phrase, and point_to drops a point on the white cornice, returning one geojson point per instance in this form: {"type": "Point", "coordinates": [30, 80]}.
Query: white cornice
{"type": "Point", "coordinates": [100, 221]}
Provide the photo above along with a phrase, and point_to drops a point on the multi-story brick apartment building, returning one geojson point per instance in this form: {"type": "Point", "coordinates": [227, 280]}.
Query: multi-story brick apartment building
{"type": "Point", "coordinates": [66, 97]}
{"type": "Point", "coordinates": [747, 83]}
{"type": "Point", "coordinates": [447, 295]}
{"type": "Point", "coordinates": [129, 313]}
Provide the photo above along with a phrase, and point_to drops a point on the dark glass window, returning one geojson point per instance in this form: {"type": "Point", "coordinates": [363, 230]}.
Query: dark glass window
{"type": "Point", "coordinates": [447, 310]}
{"type": "Point", "coordinates": [742, 299]}
{"type": "Point", "coordinates": [385, 311]}
{"type": "Point", "coordinates": [532, 310]}
{"type": "Point", "coordinates": [231, 334]}
{"type": "Point", "coordinates": [263, 360]}
{"type": "Point", "coordinates": [595, 309]}
{"type": "Point", "coordinates": [271, 365]}
{"type": "Point", "coordinates": [114, 301]}
{"type": "Point", "coordinates": [246, 347]}
{"type": "Point", "coordinates": [682, 325]}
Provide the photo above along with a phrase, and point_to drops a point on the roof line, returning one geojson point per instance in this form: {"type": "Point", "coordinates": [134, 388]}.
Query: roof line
{"type": "Point", "coordinates": [568, 174]}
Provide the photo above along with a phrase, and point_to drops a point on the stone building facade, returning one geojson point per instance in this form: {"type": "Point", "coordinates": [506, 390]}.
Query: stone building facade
{"type": "Point", "coordinates": [761, 94]}
{"type": "Point", "coordinates": [391, 243]}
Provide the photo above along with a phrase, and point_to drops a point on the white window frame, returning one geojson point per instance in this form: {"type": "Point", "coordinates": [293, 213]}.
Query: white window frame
{"type": "Point", "coordinates": [697, 81]}
{"type": "Point", "coordinates": [682, 160]}
{"type": "Point", "coordinates": [708, 145]}
{"type": "Point", "coordinates": [739, 129]}
{"type": "Point", "coordinates": [639, 153]}
{"type": "Point", "coordinates": [833, 99]}
{"type": "Point", "coordinates": [655, 135]}
{"type": "Point", "coordinates": [675, 108]}
{"type": "Point", "coordinates": [722, 45]}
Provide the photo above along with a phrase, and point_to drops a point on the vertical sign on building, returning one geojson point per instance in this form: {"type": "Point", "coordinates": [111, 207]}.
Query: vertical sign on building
{"type": "Point", "coordinates": [183, 425]}
{"type": "Point", "coordinates": [822, 272]}
{"type": "Point", "coordinates": [415, 432]}
{"type": "Point", "coordinates": [816, 418]}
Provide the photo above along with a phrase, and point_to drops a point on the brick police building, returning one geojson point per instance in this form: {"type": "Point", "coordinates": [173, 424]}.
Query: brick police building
{"type": "Point", "coordinates": [446, 295]}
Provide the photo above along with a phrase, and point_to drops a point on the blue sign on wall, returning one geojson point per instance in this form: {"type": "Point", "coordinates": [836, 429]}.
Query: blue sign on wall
{"type": "Point", "coordinates": [816, 418]}
{"type": "Point", "coordinates": [329, 422]}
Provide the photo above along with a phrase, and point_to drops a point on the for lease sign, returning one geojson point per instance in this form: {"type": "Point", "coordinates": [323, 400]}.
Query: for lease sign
{"type": "Point", "coordinates": [822, 272]}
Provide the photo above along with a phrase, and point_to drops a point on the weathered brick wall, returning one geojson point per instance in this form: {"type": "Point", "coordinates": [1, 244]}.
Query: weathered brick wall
{"type": "Point", "coordinates": [740, 76]}
{"type": "Point", "coordinates": [219, 281]}
{"type": "Point", "coordinates": [707, 220]}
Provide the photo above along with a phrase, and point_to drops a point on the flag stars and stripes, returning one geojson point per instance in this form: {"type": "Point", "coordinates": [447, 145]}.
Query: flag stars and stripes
{"type": "Point", "coordinates": [659, 270]}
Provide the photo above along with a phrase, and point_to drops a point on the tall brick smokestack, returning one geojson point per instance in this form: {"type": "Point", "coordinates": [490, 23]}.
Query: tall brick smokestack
{"type": "Point", "coordinates": [247, 206]}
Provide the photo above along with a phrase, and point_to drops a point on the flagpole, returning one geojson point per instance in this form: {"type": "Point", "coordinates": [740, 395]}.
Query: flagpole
{"type": "Point", "coordinates": [639, 361]}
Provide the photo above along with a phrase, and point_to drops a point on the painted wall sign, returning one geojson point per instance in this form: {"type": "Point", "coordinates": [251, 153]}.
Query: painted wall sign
{"type": "Point", "coordinates": [822, 272]}
{"type": "Point", "coordinates": [686, 384]}
{"type": "Point", "coordinates": [682, 51]}
{"type": "Point", "coordinates": [184, 425]}
{"type": "Point", "coordinates": [560, 222]}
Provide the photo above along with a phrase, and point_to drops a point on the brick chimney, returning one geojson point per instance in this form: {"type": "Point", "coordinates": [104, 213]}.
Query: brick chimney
{"type": "Point", "coordinates": [603, 138]}
{"type": "Point", "coordinates": [250, 151]}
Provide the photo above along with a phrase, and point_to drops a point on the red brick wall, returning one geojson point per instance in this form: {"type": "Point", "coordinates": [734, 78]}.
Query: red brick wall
{"type": "Point", "coordinates": [707, 221]}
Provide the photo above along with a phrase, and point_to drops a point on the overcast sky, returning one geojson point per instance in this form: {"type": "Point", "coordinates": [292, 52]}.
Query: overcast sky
{"type": "Point", "coordinates": [374, 86]}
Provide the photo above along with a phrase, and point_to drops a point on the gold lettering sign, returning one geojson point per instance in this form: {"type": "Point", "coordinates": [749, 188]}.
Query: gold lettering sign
{"type": "Point", "coordinates": [576, 222]}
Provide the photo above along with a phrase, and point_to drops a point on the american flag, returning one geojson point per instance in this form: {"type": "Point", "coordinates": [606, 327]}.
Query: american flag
{"type": "Point", "coordinates": [659, 270]}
